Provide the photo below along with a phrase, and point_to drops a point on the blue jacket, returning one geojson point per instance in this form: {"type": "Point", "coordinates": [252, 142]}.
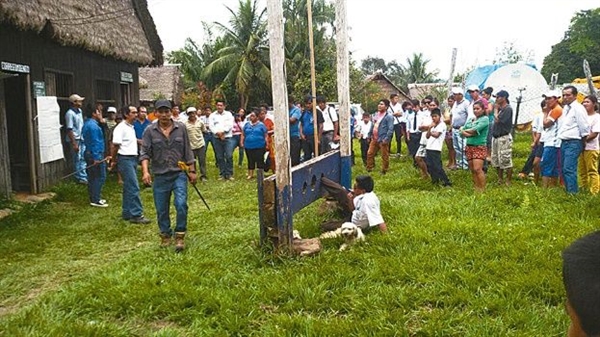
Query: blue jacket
{"type": "Point", "coordinates": [93, 138]}
{"type": "Point", "coordinates": [385, 129]}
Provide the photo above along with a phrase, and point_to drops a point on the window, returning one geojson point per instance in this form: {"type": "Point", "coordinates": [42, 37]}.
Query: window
{"type": "Point", "coordinates": [105, 92]}
{"type": "Point", "coordinates": [59, 84]}
{"type": "Point", "coordinates": [125, 94]}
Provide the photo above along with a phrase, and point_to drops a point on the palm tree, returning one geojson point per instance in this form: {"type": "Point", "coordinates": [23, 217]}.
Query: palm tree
{"type": "Point", "coordinates": [245, 54]}
{"type": "Point", "coordinates": [415, 71]}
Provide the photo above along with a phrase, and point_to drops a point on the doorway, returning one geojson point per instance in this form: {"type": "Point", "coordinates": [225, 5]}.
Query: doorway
{"type": "Point", "coordinates": [15, 100]}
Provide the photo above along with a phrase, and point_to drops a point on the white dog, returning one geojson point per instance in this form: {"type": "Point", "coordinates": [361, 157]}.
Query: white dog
{"type": "Point", "coordinates": [349, 231]}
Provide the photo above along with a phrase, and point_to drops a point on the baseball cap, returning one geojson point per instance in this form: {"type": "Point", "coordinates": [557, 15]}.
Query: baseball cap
{"type": "Point", "coordinates": [162, 103]}
{"type": "Point", "coordinates": [473, 87]}
{"type": "Point", "coordinates": [111, 109]}
{"type": "Point", "coordinates": [190, 109]}
{"type": "Point", "coordinates": [502, 93]}
{"type": "Point", "coordinates": [552, 93]}
{"type": "Point", "coordinates": [457, 90]}
{"type": "Point", "coordinates": [75, 98]}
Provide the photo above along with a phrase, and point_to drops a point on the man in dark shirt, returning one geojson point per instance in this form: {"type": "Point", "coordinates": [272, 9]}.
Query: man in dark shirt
{"type": "Point", "coordinates": [166, 143]}
{"type": "Point", "coordinates": [502, 139]}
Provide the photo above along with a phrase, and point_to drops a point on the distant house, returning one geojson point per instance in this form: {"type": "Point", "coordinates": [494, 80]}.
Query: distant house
{"type": "Point", "coordinates": [56, 48]}
{"type": "Point", "coordinates": [420, 90]}
{"type": "Point", "coordinates": [160, 82]}
{"type": "Point", "coordinates": [387, 87]}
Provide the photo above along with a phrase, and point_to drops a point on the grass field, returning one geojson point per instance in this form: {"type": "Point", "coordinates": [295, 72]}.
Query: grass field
{"type": "Point", "coordinates": [453, 264]}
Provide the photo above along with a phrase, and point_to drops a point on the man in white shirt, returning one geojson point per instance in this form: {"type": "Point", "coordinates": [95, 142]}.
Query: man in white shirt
{"type": "Point", "coordinates": [396, 111]}
{"type": "Point", "coordinates": [366, 212]}
{"type": "Point", "coordinates": [572, 128]}
{"type": "Point", "coordinates": [221, 124]}
{"type": "Point", "coordinates": [330, 125]}
{"type": "Point", "coordinates": [125, 150]}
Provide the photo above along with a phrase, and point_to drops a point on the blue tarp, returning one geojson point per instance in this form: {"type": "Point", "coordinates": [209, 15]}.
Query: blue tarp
{"type": "Point", "coordinates": [479, 76]}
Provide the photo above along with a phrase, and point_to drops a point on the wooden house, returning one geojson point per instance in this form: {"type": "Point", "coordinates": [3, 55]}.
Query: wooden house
{"type": "Point", "coordinates": [387, 87]}
{"type": "Point", "coordinates": [56, 48]}
{"type": "Point", "coordinates": [160, 82]}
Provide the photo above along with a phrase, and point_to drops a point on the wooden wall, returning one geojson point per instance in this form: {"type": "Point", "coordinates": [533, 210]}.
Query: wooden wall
{"type": "Point", "coordinates": [43, 55]}
{"type": "Point", "coordinates": [5, 182]}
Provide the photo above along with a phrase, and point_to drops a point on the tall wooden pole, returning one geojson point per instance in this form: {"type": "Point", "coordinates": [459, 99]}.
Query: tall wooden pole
{"type": "Point", "coordinates": [282, 135]}
{"type": "Point", "coordinates": [451, 77]}
{"type": "Point", "coordinates": [313, 80]}
{"type": "Point", "coordinates": [343, 84]}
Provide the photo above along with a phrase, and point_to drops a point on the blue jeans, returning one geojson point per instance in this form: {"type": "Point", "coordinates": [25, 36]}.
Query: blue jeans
{"type": "Point", "coordinates": [132, 203]}
{"type": "Point", "coordinates": [459, 146]}
{"type": "Point", "coordinates": [79, 162]}
{"type": "Point", "coordinates": [224, 153]}
{"type": "Point", "coordinates": [164, 185]}
{"type": "Point", "coordinates": [96, 178]}
{"type": "Point", "coordinates": [569, 154]}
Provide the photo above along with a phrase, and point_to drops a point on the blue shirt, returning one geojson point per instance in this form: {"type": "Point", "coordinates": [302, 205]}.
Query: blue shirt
{"type": "Point", "coordinates": [93, 138]}
{"type": "Point", "coordinates": [307, 120]}
{"type": "Point", "coordinates": [74, 122]}
{"type": "Point", "coordinates": [295, 127]}
{"type": "Point", "coordinates": [139, 127]}
{"type": "Point", "coordinates": [254, 136]}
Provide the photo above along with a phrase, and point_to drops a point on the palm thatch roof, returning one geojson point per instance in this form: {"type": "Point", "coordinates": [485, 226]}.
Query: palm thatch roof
{"type": "Point", "coordinates": [386, 85]}
{"type": "Point", "coordinates": [164, 82]}
{"type": "Point", "coordinates": [122, 29]}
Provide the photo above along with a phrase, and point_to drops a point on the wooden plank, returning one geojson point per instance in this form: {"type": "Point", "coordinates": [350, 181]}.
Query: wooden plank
{"type": "Point", "coordinates": [5, 180]}
{"type": "Point", "coordinates": [313, 80]}
{"type": "Point", "coordinates": [307, 178]}
{"type": "Point", "coordinates": [280, 105]}
{"type": "Point", "coordinates": [343, 83]}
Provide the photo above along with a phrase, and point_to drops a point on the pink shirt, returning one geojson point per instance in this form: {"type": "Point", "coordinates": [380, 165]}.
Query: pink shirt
{"type": "Point", "coordinates": [378, 119]}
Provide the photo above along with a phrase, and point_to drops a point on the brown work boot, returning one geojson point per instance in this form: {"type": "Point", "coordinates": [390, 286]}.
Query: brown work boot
{"type": "Point", "coordinates": [179, 245]}
{"type": "Point", "coordinates": [165, 240]}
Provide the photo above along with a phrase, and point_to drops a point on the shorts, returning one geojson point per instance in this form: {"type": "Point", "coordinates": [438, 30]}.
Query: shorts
{"type": "Point", "coordinates": [502, 152]}
{"type": "Point", "coordinates": [476, 152]}
{"type": "Point", "coordinates": [549, 163]}
{"type": "Point", "coordinates": [538, 150]}
{"type": "Point", "coordinates": [422, 151]}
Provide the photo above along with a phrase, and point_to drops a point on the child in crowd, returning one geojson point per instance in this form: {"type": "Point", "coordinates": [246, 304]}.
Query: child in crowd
{"type": "Point", "coordinates": [363, 133]}
{"type": "Point", "coordinates": [435, 140]}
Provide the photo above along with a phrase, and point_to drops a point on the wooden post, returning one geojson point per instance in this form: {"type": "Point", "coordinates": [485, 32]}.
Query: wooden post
{"type": "Point", "coordinates": [282, 126]}
{"type": "Point", "coordinates": [343, 84]}
{"type": "Point", "coordinates": [313, 79]}
{"type": "Point", "coordinates": [451, 77]}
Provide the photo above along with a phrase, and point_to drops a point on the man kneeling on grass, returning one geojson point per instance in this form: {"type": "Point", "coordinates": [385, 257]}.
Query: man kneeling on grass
{"type": "Point", "coordinates": [581, 277]}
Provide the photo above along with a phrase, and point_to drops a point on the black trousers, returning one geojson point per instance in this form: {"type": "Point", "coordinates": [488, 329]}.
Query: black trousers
{"type": "Point", "coordinates": [413, 144]}
{"type": "Point", "coordinates": [295, 147]}
{"type": "Point", "coordinates": [364, 148]}
{"type": "Point", "coordinates": [398, 135]}
{"type": "Point", "coordinates": [255, 158]}
{"type": "Point", "coordinates": [435, 169]}
{"type": "Point", "coordinates": [308, 147]}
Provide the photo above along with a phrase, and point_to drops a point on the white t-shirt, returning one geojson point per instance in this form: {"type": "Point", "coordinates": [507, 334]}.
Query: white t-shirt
{"type": "Point", "coordinates": [221, 122]}
{"type": "Point", "coordinates": [594, 122]}
{"type": "Point", "coordinates": [537, 125]}
{"type": "Point", "coordinates": [366, 211]}
{"type": "Point", "coordinates": [124, 136]}
{"type": "Point", "coordinates": [394, 109]}
{"type": "Point", "coordinates": [435, 144]}
{"type": "Point", "coordinates": [364, 129]}
{"type": "Point", "coordinates": [424, 121]}
{"type": "Point", "coordinates": [329, 117]}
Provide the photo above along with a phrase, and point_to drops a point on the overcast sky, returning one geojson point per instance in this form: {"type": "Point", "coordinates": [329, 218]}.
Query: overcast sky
{"type": "Point", "coordinates": [394, 29]}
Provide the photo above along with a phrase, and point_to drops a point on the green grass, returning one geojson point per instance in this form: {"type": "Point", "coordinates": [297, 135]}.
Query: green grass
{"type": "Point", "coordinates": [454, 264]}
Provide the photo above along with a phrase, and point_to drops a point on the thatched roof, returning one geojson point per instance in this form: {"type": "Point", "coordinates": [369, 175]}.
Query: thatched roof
{"type": "Point", "coordinates": [162, 81]}
{"type": "Point", "coordinates": [380, 78]}
{"type": "Point", "coordinates": [122, 29]}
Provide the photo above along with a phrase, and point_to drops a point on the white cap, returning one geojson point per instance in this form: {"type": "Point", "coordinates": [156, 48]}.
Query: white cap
{"type": "Point", "coordinates": [76, 98]}
{"type": "Point", "coordinates": [457, 90]}
{"type": "Point", "coordinates": [473, 87]}
{"type": "Point", "coordinates": [552, 93]}
{"type": "Point", "coordinates": [111, 109]}
{"type": "Point", "coordinates": [190, 109]}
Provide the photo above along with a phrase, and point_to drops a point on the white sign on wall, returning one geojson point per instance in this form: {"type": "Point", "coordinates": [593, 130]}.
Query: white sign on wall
{"type": "Point", "coordinates": [48, 117]}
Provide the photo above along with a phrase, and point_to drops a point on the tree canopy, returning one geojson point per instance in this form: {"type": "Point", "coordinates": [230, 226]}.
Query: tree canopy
{"type": "Point", "coordinates": [581, 41]}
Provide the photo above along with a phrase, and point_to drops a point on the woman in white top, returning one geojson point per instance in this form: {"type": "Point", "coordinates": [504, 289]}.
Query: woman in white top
{"type": "Point", "coordinates": [588, 161]}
